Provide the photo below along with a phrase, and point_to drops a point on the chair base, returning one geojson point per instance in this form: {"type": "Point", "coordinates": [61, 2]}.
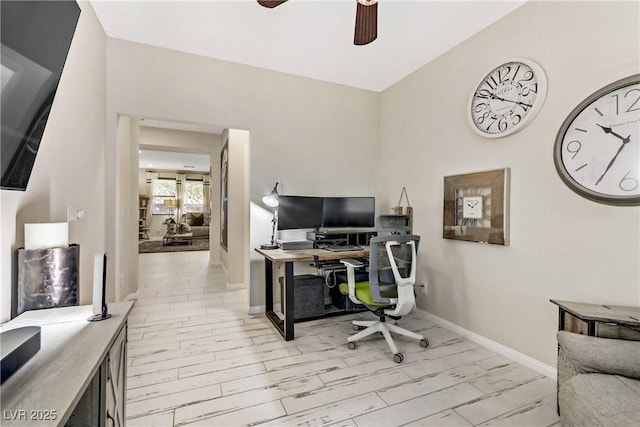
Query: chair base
{"type": "Point", "coordinates": [374, 326]}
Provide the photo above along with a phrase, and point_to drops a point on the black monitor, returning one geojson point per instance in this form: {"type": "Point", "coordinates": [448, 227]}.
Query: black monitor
{"type": "Point", "coordinates": [36, 36]}
{"type": "Point", "coordinates": [299, 212]}
{"type": "Point", "coordinates": [354, 212]}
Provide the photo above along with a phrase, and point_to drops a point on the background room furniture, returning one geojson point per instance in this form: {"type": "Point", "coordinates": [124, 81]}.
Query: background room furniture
{"type": "Point", "coordinates": [171, 204]}
{"type": "Point", "coordinates": [48, 277]}
{"type": "Point", "coordinates": [177, 239]}
{"type": "Point", "coordinates": [605, 321]}
{"type": "Point", "coordinates": [288, 258]}
{"type": "Point", "coordinates": [143, 226]}
{"type": "Point", "coordinates": [78, 377]}
{"type": "Point", "coordinates": [198, 224]}
{"type": "Point", "coordinates": [388, 292]}
{"type": "Point", "coordinates": [598, 380]}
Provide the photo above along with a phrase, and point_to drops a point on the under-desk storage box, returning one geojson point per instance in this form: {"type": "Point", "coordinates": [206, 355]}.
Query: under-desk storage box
{"type": "Point", "coordinates": [308, 294]}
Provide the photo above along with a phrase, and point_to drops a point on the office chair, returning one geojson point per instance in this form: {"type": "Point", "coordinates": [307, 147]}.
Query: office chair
{"type": "Point", "coordinates": [389, 290]}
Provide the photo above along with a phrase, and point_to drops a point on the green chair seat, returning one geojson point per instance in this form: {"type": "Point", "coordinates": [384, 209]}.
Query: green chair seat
{"type": "Point", "coordinates": [363, 293]}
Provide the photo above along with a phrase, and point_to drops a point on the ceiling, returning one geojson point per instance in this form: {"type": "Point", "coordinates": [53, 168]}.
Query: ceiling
{"type": "Point", "coordinates": [305, 37]}
{"type": "Point", "coordinates": [302, 37]}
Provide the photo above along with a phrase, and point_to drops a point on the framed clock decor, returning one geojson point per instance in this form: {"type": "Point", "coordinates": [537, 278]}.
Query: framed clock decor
{"type": "Point", "coordinates": [597, 149]}
{"type": "Point", "coordinates": [476, 207]}
{"type": "Point", "coordinates": [507, 98]}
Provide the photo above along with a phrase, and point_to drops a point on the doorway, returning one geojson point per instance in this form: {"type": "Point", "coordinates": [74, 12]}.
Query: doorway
{"type": "Point", "coordinates": [135, 137]}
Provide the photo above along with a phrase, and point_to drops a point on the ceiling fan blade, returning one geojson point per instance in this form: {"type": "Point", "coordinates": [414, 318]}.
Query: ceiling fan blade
{"type": "Point", "coordinates": [271, 4]}
{"type": "Point", "coordinates": [366, 22]}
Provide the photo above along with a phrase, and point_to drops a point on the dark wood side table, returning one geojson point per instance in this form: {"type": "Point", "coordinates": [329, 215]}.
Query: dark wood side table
{"type": "Point", "coordinates": [598, 320]}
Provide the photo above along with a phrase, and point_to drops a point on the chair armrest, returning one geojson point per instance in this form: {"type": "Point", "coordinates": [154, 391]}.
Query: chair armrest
{"type": "Point", "coordinates": [351, 265]}
{"type": "Point", "coordinates": [350, 262]}
{"type": "Point", "coordinates": [579, 354]}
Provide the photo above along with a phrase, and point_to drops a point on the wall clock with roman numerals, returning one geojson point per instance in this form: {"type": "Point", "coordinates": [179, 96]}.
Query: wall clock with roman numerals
{"type": "Point", "coordinates": [507, 98]}
{"type": "Point", "coordinates": [597, 149]}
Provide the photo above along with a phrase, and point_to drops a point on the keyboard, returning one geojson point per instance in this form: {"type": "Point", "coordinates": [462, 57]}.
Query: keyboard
{"type": "Point", "coordinates": [344, 248]}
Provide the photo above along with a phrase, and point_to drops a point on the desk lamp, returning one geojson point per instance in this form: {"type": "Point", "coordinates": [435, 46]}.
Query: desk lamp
{"type": "Point", "coordinates": [271, 200]}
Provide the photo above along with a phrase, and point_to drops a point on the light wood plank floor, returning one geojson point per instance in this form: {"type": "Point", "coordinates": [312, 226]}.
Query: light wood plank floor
{"type": "Point", "coordinates": [197, 358]}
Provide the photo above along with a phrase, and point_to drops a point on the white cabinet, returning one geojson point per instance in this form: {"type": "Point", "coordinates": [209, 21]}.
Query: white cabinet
{"type": "Point", "coordinates": [116, 380]}
{"type": "Point", "coordinates": [78, 377]}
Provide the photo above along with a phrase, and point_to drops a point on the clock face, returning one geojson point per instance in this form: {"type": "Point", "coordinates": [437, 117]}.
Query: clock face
{"type": "Point", "coordinates": [507, 98]}
{"type": "Point", "coordinates": [597, 150]}
{"type": "Point", "coordinates": [473, 206]}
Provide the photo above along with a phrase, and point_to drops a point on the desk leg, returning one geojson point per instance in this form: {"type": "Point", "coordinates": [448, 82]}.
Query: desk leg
{"type": "Point", "coordinates": [288, 301]}
{"type": "Point", "coordinates": [285, 327]}
{"type": "Point", "coordinates": [268, 281]}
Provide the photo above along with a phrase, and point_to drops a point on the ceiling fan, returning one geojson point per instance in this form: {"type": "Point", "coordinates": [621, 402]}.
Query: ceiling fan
{"type": "Point", "coordinates": [366, 29]}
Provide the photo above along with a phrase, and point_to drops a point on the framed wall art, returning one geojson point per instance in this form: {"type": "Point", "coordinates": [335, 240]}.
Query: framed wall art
{"type": "Point", "coordinates": [476, 207]}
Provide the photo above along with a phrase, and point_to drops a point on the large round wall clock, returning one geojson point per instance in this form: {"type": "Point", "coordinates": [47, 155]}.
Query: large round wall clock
{"type": "Point", "coordinates": [507, 98]}
{"type": "Point", "coordinates": [597, 149]}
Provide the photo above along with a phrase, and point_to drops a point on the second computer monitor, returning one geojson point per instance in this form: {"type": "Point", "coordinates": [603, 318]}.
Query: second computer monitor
{"type": "Point", "coordinates": [348, 212]}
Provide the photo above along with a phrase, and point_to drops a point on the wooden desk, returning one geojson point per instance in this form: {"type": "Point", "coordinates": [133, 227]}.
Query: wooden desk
{"type": "Point", "coordinates": [288, 257]}
{"type": "Point", "coordinates": [605, 321]}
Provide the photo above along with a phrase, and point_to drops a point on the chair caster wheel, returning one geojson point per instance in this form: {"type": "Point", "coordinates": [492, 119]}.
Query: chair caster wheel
{"type": "Point", "coordinates": [351, 345]}
{"type": "Point", "coordinates": [398, 357]}
{"type": "Point", "coordinates": [424, 343]}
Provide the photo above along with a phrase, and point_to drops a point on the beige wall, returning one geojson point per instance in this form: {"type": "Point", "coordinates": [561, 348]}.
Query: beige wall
{"type": "Point", "coordinates": [304, 133]}
{"type": "Point", "coordinates": [126, 274]}
{"type": "Point", "coordinates": [562, 246]}
{"type": "Point", "coordinates": [235, 258]}
{"type": "Point", "coordinates": [69, 169]}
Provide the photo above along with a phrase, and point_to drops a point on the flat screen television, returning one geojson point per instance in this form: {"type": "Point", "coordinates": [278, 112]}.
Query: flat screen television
{"type": "Point", "coordinates": [350, 212]}
{"type": "Point", "coordinates": [299, 212]}
{"type": "Point", "coordinates": [35, 38]}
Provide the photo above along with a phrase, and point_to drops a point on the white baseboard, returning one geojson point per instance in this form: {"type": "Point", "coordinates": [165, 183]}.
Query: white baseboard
{"type": "Point", "coordinates": [523, 359]}
{"type": "Point", "coordinates": [132, 296]}
{"type": "Point", "coordinates": [516, 356]}
{"type": "Point", "coordinates": [257, 309]}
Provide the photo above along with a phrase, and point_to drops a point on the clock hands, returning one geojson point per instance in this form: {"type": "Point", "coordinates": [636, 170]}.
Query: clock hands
{"type": "Point", "coordinates": [625, 141]}
{"type": "Point", "coordinates": [472, 205]}
{"type": "Point", "coordinates": [608, 130]}
{"type": "Point", "coordinates": [494, 96]}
